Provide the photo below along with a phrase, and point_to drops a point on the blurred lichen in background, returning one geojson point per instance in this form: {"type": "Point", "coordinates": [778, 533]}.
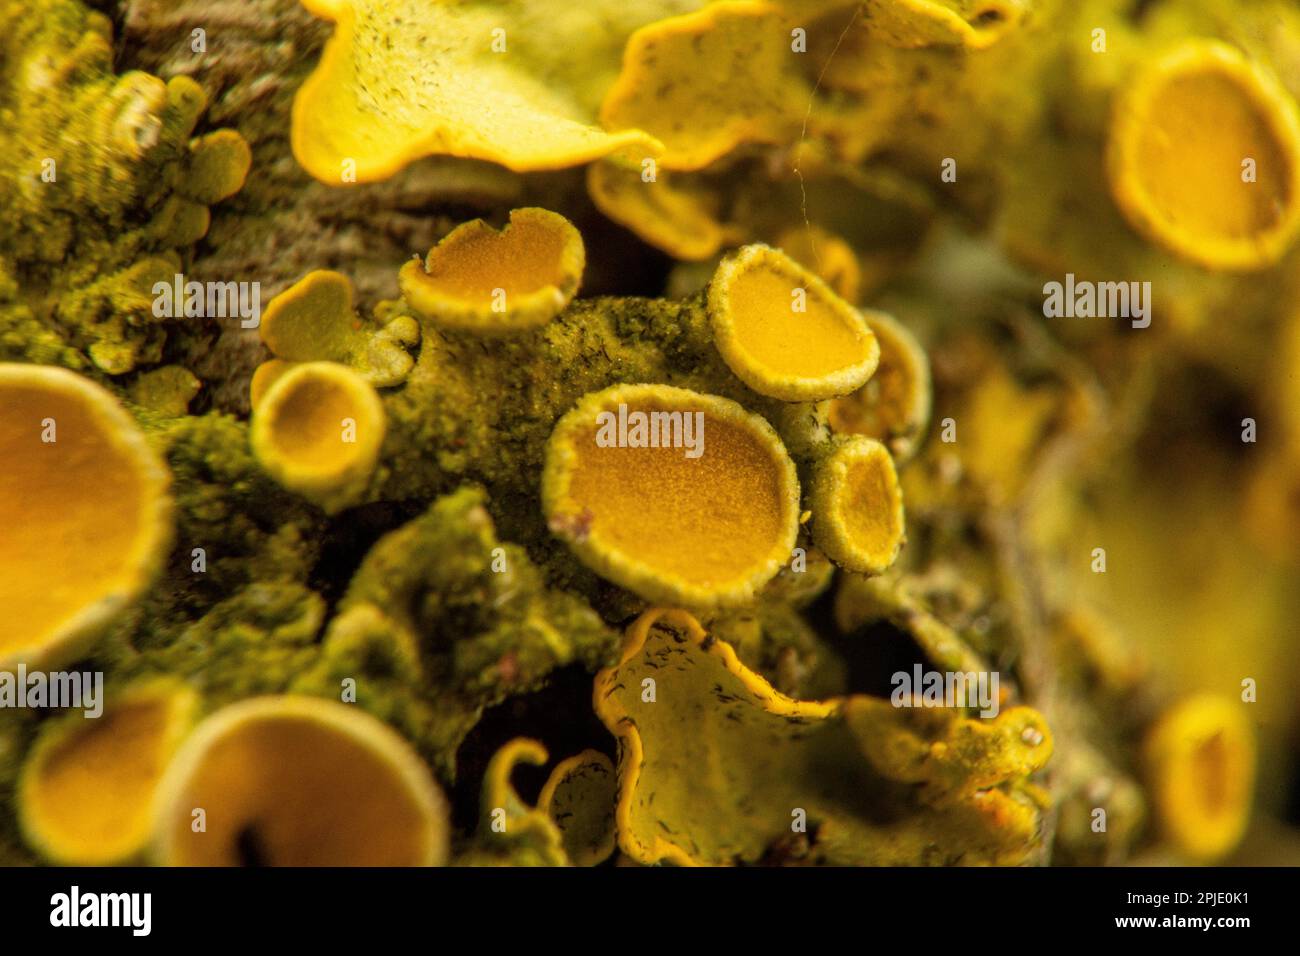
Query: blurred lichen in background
{"type": "Point", "coordinates": [521, 432]}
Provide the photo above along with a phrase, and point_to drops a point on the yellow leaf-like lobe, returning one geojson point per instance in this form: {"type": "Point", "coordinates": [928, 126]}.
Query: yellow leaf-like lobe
{"type": "Point", "coordinates": [512, 83]}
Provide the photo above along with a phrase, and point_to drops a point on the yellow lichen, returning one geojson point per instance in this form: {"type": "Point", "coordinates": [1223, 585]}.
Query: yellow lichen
{"type": "Point", "coordinates": [219, 163]}
{"type": "Point", "coordinates": [510, 830]}
{"type": "Point", "coordinates": [1014, 745]}
{"type": "Point", "coordinates": [167, 390]}
{"type": "Point", "coordinates": [1201, 762]}
{"type": "Point", "coordinates": [894, 406]}
{"type": "Point", "coordinates": [86, 511]}
{"type": "Point", "coordinates": [854, 228]}
{"type": "Point", "coordinates": [716, 767]}
{"type": "Point", "coordinates": [1003, 425]}
{"type": "Point", "coordinates": [671, 212]}
{"type": "Point", "coordinates": [706, 82]}
{"type": "Point", "coordinates": [517, 84]}
{"type": "Point", "coordinates": [702, 531]}
{"type": "Point", "coordinates": [86, 791]}
{"type": "Point", "coordinates": [180, 221]}
{"type": "Point", "coordinates": [579, 798]}
{"type": "Point", "coordinates": [488, 281]}
{"type": "Point", "coordinates": [783, 332]}
{"type": "Point", "coordinates": [264, 376]}
{"type": "Point", "coordinates": [976, 24]}
{"type": "Point", "coordinates": [299, 781]}
{"type": "Point", "coordinates": [314, 321]}
{"type": "Point", "coordinates": [827, 255]}
{"type": "Point", "coordinates": [653, 744]}
{"type": "Point", "coordinates": [318, 431]}
{"type": "Point", "coordinates": [1203, 157]}
{"type": "Point", "coordinates": [857, 506]}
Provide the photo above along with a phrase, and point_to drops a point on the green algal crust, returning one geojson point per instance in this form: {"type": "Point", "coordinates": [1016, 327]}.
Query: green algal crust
{"type": "Point", "coordinates": [256, 642]}
{"type": "Point", "coordinates": [367, 658]}
{"type": "Point", "coordinates": [234, 526]}
{"type": "Point", "coordinates": [231, 611]}
{"type": "Point", "coordinates": [22, 334]}
{"type": "Point", "coordinates": [102, 191]}
{"type": "Point", "coordinates": [443, 619]}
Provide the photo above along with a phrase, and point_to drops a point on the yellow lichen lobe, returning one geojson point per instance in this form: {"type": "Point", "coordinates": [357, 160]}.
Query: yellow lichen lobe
{"type": "Point", "coordinates": [579, 797]}
{"type": "Point", "coordinates": [826, 254]}
{"type": "Point", "coordinates": [783, 332]}
{"type": "Point", "coordinates": [86, 511]}
{"type": "Point", "coordinates": [954, 757]}
{"type": "Point", "coordinates": [673, 213]}
{"type": "Point", "coordinates": [299, 781]}
{"type": "Point", "coordinates": [480, 279]}
{"type": "Point", "coordinates": [167, 390]}
{"type": "Point", "coordinates": [719, 775]}
{"type": "Point", "coordinates": [1204, 157]}
{"type": "Point", "coordinates": [858, 507]}
{"type": "Point", "coordinates": [704, 530]}
{"type": "Point", "coordinates": [219, 164]}
{"type": "Point", "coordinates": [1201, 762]}
{"type": "Point", "coordinates": [314, 320]}
{"type": "Point", "coordinates": [318, 431]}
{"type": "Point", "coordinates": [731, 722]}
{"type": "Point", "coordinates": [86, 791]}
{"type": "Point", "coordinates": [705, 82]}
{"type": "Point", "coordinates": [402, 79]}
{"type": "Point", "coordinates": [894, 406]}
{"type": "Point", "coordinates": [264, 376]}
{"type": "Point", "coordinates": [510, 830]}
{"type": "Point", "coordinates": [311, 319]}
{"type": "Point", "coordinates": [976, 24]}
